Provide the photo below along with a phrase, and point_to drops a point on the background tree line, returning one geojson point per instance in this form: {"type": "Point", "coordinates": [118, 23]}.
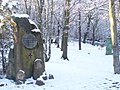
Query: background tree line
{"type": "Point", "coordinates": [83, 20]}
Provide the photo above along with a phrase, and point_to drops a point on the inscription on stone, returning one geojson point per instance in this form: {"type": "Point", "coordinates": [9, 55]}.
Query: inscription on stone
{"type": "Point", "coordinates": [29, 41]}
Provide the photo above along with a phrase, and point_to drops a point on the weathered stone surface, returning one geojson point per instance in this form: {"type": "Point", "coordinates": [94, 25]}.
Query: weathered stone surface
{"type": "Point", "coordinates": [38, 68]}
{"type": "Point", "coordinates": [23, 23]}
{"type": "Point", "coordinates": [11, 66]}
{"type": "Point", "coordinates": [45, 77]}
{"type": "Point", "coordinates": [39, 82]}
{"type": "Point", "coordinates": [51, 76]}
{"type": "Point", "coordinates": [1, 85]}
{"type": "Point", "coordinates": [18, 82]}
{"type": "Point", "coordinates": [29, 83]}
{"type": "Point", "coordinates": [20, 77]}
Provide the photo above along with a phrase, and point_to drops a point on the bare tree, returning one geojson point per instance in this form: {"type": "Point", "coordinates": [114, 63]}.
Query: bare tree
{"type": "Point", "coordinates": [113, 27]}
{"type": "Point", "coordinates": [50, 26]}
{"type": "Point", "coordinates": [79, 28]}
{"type": "Point", "coordinates": [88, 27]}
{"type": "Point", "coordinates": [66, 29]}
{"type": "Point", "coordinates": [94, 25]}
{"type": "Point", "coordinates": [26, 6]}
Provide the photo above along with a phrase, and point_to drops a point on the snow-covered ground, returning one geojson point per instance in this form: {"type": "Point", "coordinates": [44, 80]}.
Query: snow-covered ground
{"type": "Point", "coordinates": [87, 69]}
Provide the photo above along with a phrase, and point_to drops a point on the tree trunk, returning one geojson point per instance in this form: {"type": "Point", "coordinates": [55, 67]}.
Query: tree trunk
{"type": "Point", "coordinates": [66, 28]}
{"type": "Point", "coordinates": [85, 37]}
{"type": "Point", "coordinates": [88, 28]}
{"type": "Point", "coordinates": [49, 26]}
{"type": "Point", "coordinates": [93, 37]}
{"type": "Point", "coordinates": [113, 27]}
{"type": "Point", "coordinates": [93, 32]}
{"type": "Point", "coordinates": [58, 35]}
{"type": "Point", "coordinates": [40, 10]}
{"type": "Point", "coordinates": [62, 42]}
{"type": "Point", "coordinates": [26, 7]}
{"type": "Point", "coordinates": [65, 44]}
{"type": "Point", "coordinates": [79, 30]}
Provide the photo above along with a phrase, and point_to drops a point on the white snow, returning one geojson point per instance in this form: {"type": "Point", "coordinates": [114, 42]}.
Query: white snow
{"type": "Point", "coordinates": [31, 22]}
{"type": "Point", "coordinates": [37, 60]}
{"type": "Point", "coordinates": [87, 69]}
{"type": "Point", "coordinates": [40, 78]}
{"type": "Point", "coordinates": [36, 30]}
{"type": "Point", "coordinates": [21, 15]}
{"type": "Point", "coordinates": [4, 2]}
{"type": "Point", "coordinates": [1, 24]}
{"type": "Point", "coordinates": [21, 71]}
{"type": "Point", "coordinates": [1, 17]}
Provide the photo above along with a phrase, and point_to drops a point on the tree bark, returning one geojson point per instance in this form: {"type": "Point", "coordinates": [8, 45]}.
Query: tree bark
{"type": "Point", "coordinates": [65, 44]}
{"type": "Point", "coordinates": [79, 29]}
{"type": "Point", "coordinates": [94, 30]}
{"type": "Point", "coordinates": [88, 28]}
{"type": "Point", "coordinates": [66, 29]}
{"type": "Point", "coordinates": [113, 27]}
{"type": "Point", "coordinates": [26, 7]}
{"type": "Point", "coordinates": [58, 35]}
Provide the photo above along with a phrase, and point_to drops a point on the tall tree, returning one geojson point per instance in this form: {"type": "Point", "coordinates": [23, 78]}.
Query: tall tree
{"type": "Point", "coordinates": [88, 27]}
{"type": "Point", "coordinates": [40, 10]}
{"type": "Point", "coordinates": [50, 25]}
{"type": "Point", "coordinates": [94, 25]}
{"type": "Point", "coordinates": [113, 27]}
{"type": "Point", "coordinates": [66, 29]}
{"type": "Point", "coordinates": [26, 6]}
{"type": "Point", "coordinates": [79, 28]}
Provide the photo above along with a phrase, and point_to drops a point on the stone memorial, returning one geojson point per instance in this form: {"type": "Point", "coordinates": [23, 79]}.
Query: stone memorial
{"type": "Point", "coordinates": [28, 46]}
